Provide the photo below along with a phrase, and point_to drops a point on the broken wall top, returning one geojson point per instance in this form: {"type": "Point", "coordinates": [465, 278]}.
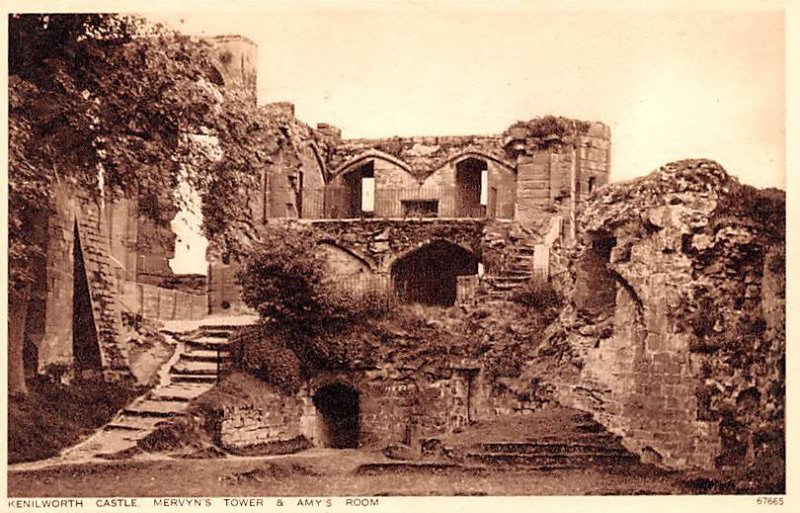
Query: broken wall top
{"type": "Point", "coordinates": [700, 185]}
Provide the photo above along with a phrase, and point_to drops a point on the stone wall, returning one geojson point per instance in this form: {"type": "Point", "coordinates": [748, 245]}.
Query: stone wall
{"type": "Point", "coordinates": [224, 293]}
{"type": "Point", "coordinates": [236, 59]}
{"type": "Point", "coordinates": [664, 338]}
{"type": "Point", "coordinates": [153, 247]}
{"type": "Point", "coordinates": [380, 242]}
{"type": "Point", "coordinates": [557, 160]}
{"type": "Point", "coordinates": [422, 155]}
{"type": "Point", "coordinates": [391, 410]}
{"type": "Point", "coordinates": [114, 250]}
{"type": "Point", "coordinates": [158, 303]}
{"type": "Point", "coordinates": [50, 322]}
{"type": "Point", "coordinates": [274, 419]}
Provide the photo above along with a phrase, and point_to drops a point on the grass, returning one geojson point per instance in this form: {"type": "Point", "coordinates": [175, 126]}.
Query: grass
{"type": "Point", "coordinates": [324, 475]}
{"type": "Point", "coordinates": [55, 416]}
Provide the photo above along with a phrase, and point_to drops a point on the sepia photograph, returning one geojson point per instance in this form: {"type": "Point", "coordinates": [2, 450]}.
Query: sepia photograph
{"type": "Point", "coordinates": [312, 255]}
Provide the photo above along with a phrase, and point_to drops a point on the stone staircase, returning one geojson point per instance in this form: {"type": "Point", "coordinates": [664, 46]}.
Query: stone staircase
{"type": "Point", "coordinates": [582, 445]}
{"type": "Point", "coordinates": [195, 367]}
{"type": "Point", "coordinates": [554, 452]}
{"type": "Point", "coordinates": [520, 271]}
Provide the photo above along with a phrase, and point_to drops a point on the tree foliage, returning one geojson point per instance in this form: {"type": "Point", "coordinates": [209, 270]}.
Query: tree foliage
{"type": "Point", "coordinates": [109, 104]}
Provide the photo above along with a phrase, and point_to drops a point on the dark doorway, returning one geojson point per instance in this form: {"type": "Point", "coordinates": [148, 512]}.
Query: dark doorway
{"type": "Point", "coordinates": [468, 188]}
{"type": "Point", "coordinates": [85, 347]}
{"type": "Point", "coordinates": [337, 404]}
{"type": "Point", "coordinates": [429, 274]}
{"type": "Point", "coordinates": [355, 183]}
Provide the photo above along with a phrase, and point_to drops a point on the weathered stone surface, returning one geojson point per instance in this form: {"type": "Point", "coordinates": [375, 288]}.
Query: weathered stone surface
{"type": "Point", "coordinates": [690, 366]}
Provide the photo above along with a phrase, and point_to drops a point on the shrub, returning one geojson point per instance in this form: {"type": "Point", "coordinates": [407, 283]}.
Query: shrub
{"type": "Point", "coordinates": [538, 294]}
{"type": "Point", "coordinates": [267, 358]}
{"type": "Point", "coordinates": [281, 278]}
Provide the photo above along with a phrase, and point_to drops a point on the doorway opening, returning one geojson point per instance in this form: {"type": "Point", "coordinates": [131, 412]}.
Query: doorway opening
{"type": "Point", "coordinates": [429, 275]}
{"type": "Point", "coordinates": [471, 188]}
{"type": "Point", "coordinates": [360, 187]}
{"type": "Point", "coordinates": [338, 409]}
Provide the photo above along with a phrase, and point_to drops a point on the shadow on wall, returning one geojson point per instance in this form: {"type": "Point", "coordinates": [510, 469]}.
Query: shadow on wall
{"type": "Point", "coordinates": [596, 287]}
{"type": "Point", "coordinates": [429, 274]}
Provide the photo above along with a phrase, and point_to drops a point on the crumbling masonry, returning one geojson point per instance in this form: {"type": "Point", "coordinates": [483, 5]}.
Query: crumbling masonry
{"type": "Point", "coordinates": [639, 264]}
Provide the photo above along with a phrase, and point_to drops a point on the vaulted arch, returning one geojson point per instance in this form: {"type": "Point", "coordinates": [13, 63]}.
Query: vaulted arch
{"type": "Point", "coordinates": [429, 274]}
{"type": "Point", "coordinates": [367, 185]}
{"type": "Point", "coordinates": [474, 184]}
{"type": "Point", "coordinates": [480, 156]}
{"type": "Point", "coordinates": [343, 261]}
{"type": "Point", "coordinates": [353, 162]}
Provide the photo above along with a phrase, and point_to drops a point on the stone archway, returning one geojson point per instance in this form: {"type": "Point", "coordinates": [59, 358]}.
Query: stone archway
{"type": "Point", "coordinates": [429, 274]}
{"type": "Point", "coordinates": [470, 181]}
{"type": "Point", "coordinates": [338, 410]}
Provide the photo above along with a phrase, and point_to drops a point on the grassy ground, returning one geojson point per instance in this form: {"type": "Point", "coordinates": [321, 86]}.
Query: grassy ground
{"type": "Point", "coordinates": [318, 473]}
{"type": "Point", "coordinates": [54, 416]}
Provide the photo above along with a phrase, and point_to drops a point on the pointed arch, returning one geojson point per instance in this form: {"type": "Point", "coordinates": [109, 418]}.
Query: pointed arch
{"type": "Point", "coordinates": [320, 162]}
{"type": "Point", "coordinates": [428, 273]}
{"type": "Point", "coordinates": [356, 259]}
{"type": "Point", "coordinates": [353, 162]}
{"type": "Point", "coordinates": [480, 156]}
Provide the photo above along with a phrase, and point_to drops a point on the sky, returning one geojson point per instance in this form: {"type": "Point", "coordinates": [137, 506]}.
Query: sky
{"type": "Point", "coordinates": [671, 84]}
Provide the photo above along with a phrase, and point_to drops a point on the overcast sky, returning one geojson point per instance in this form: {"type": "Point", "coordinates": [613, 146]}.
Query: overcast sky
{"type": "Point", "coordinates": [671, 84]}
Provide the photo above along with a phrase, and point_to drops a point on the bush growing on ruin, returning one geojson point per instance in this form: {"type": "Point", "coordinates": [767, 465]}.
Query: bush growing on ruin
{"type": "Point", "coordinates": [539, 295]}
{"type": "Point", "coordinates": [262, 353]}
{"type": "Point", "coordinates": [282, 279]}
{"type": "Point", "coordinates": [303, 314]}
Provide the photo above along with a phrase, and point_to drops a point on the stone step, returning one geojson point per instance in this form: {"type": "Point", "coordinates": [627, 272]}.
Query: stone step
{"type": "Point", "coordinates": [599, 438]}
{"type": "Point", "coordinates": [153, 408]}
{"type": "Point", "coordinates": [579, 459]}
{"type": "Point", "coordinates": [518, 269]}
{"type": "Point", "coordinates": [215, 333]}
{"type": "Point", "coordinates": [509, 286]}
{"type": "Point", "coordinates": [205, 355]}
{"type": "Point", "coordinates": [208, 343]}
{"type": "Point", "coordinates": [179, 392]}
{"type": "Point", "coordinates": [514, 277]}
{"type": "Point", "coordinates": [590, 427]}
{"type": "Point", "coordinates": [549, 448]}
{"type": "Point", "coordinates": [132, 423]}
{"type": "Point", "coordinates": [193, 378]}
{"type": "Point", "coordinates": [507, 277]}
{"type": "Point", "coordinates": [194, 367]}
{"type": "Point", "coordinates": [405, 467]}
{"type": "Point", "coordinates": [229, 328]}
{"type": "Point", "coordinates": [132, 435]}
